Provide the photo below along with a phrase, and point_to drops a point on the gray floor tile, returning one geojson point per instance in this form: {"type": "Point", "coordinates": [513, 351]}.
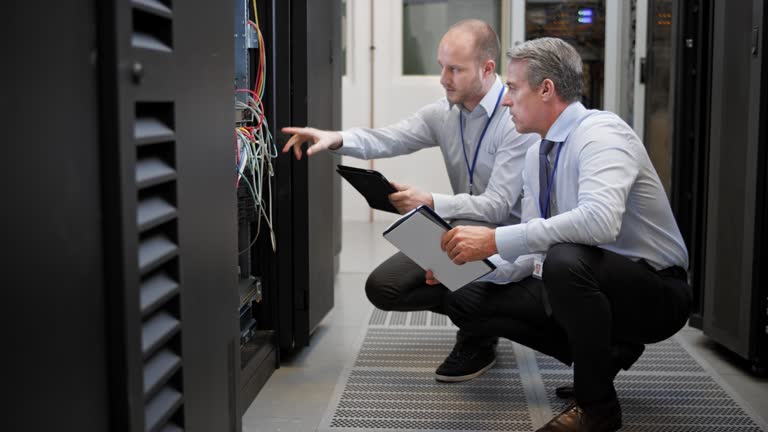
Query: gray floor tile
{"type": "Point", "coordinates": [350, 290]}
{"type": "Point", "coordinates": [295, 393]}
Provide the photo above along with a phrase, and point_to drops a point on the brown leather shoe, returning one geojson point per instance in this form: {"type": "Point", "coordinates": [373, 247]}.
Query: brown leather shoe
{"type": "Point", "coordinates": [624, 356]}
{"type": "Point", "coordinates": [575, 419]}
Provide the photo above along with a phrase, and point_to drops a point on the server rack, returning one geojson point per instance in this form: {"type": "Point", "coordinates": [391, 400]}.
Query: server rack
{"type": "Point", "coordinates": [166, 105]}
{"type": "Point", "coordinates": [124, 216]}
{"type": "Point", "coordinates": [257, 354]}
{"type": "Point", "coordinates": [303, 87]}
{"type": "Point", "coordinates": [692, 49]}
{"type": "Point", "coordinates": [720, 197]}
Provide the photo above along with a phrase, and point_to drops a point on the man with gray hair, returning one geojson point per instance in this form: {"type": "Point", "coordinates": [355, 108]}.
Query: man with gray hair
{"type": "Point", "coordinates": [597, 250]}
{"type": "Point", "coordinates": [483, 154]}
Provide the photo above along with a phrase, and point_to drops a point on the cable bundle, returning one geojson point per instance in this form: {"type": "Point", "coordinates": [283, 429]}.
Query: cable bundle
{"type": "Point", "coordinates": [255, 147]}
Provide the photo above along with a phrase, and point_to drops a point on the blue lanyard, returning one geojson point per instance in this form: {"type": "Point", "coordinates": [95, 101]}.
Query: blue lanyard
{"type": "Point", "coordinates": [479, 143]}
{"type": "Point", "coordinates": [544, 209]}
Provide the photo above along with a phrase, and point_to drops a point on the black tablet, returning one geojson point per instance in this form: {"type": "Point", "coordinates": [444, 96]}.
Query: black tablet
{"type": "Point", "coordinates": [371, 185]}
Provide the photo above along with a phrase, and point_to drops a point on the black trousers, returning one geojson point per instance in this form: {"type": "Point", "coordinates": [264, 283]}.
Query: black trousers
{"type": "Point", "coordinates": [398, 284]}
{"type": "Point", "coordinates": [598, 298]}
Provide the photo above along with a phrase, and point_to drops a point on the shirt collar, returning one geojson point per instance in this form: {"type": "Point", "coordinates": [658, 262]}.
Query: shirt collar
{"type": "Point", "coordinates": [488, 102]}
{"type": "Point", "coordinates": [566, 122]}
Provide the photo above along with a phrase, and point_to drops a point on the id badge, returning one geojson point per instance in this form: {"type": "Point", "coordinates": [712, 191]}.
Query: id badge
{"type": "Point", "coordinates": [538, 266]}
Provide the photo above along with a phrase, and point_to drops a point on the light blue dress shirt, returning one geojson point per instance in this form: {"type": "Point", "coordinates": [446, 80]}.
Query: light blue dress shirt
{"type": "Point", "coordinates": [608, 195]}
{"type": "Point", "coordinates": [498, 179]}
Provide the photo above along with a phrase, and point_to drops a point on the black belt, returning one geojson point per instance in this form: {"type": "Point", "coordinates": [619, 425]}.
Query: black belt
{"type": "Point", "coordinates": [675, 272]}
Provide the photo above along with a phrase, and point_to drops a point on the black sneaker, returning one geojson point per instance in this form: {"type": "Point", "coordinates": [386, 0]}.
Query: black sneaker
{"type": "Point", "coordinates": [464, 364]}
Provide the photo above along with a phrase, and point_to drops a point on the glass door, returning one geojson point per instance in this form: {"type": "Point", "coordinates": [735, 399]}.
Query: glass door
{"type": "Point", "coordinates": [580, 23]}
{"type": "Point", "coordinates": [658, 98]}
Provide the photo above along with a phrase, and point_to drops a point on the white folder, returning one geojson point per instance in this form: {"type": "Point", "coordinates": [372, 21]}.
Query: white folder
{"type": "Point", "coordinates": [417, 234]}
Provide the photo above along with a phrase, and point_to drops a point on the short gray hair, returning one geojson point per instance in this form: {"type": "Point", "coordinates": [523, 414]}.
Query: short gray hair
{"type": "Point", "coordinates": [555, 59]}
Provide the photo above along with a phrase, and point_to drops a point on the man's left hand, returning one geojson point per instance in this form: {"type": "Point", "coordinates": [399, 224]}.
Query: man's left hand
{"type": "Point", "coordinates": [469, 243]}
{"type": "Point", "coordinates": [408, 198]}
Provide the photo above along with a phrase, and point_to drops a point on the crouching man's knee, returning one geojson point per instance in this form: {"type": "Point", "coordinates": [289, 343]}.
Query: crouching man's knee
{"type": "Point", "coordinates": [382, 295]}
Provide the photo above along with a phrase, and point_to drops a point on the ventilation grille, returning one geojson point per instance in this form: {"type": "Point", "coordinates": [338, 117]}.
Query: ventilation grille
{"type": "Point", "coordinates": [391, 387]}
{"type": "Point", "coordinates": [158, 260]}
{"type": "Point", "coordinates": [409, 319]}
{"type": "Point", "coordinates": [152, 25]}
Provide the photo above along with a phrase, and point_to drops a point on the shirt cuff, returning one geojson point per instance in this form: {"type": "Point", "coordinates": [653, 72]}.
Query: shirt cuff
{"type": "Point", "coordinates": [495, 275]}
{"type": "Point", "coordinates": [510, 241]}
{"type": "Point", "coordinates": [348, 146]}
{"type": "Point", "coordinates": [444, 205]}
{"type": "Point", "coordinates": [507, 272]}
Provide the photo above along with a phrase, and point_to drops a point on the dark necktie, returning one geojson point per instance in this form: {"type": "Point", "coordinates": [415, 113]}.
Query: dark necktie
{"type": "Point", "coordinates": [544, 149]}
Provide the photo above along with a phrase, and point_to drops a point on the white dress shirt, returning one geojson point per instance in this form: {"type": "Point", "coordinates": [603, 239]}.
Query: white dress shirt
{"type": "Point", "coordinates": [608, 195]}
{"type": "Point", "coordinates": [497, 180]}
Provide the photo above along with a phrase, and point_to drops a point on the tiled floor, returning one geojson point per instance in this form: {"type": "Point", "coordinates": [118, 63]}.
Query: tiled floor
{"type": "Point", "coordinates": [297, 395]}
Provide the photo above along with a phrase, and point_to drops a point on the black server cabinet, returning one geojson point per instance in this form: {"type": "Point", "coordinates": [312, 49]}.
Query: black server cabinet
{"type": "Point", "coordinates": [257, 354]}
{"type": "Point", "coordinates": [120, 268]}
{"type": "Point", "coordinates": [166, 122]}
{"type": "Point", "coordinates": [692, 54]}
{"type": "Point", "coordinates": [302, 39]}
{"type": "Point", "coordinates": [55, 366]}
{"type": "Point", "coordinates": [735, 296]}
{"type": "Point", "coordinates": [323, 106]}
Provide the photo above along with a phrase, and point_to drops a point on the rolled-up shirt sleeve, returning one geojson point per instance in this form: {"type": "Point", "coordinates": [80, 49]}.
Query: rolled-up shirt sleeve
{"type": "Point", "coordinates": [507, 272]}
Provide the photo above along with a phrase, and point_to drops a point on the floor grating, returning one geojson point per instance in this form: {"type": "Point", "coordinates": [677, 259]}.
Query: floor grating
{"type": "Point", "coordinates": [391, 387]}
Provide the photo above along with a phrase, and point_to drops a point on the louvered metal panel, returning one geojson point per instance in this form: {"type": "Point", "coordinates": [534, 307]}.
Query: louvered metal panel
{"type": "Point", "coordinates": [154, 7]}
{"type": "Point", "coordinates": [158, 329]}
{"type": "Point", "coordinates": [165, 103]}
{"type": "Point", "coordinates": [154, 211]}
{"type": "Point", "coordinates": [155, 250]}
{"type": "Point", "coordinates": [151, 130]}
{"type": "Point", "coordinates": [152, 26]}
{"type": "Point", "coordinates": [156, 220]}
{"type": "Point", "coordinates": [153, 170]}
{"type": "Point", "coordinates": [159, 369]}
{"type": "Point", "coordinates": [160, 408]}
{"type": "Point", "coordinates": [141, 40]}
{"type": "Point", "coordinates": [156, 290]}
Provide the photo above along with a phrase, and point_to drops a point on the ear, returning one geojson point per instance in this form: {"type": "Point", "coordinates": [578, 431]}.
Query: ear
{"type": "Point", "coordinates": [547, 90]}
{"type": "Point", "coordinates": [488, 67]}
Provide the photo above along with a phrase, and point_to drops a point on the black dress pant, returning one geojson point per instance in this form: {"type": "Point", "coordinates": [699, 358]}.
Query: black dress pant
{"type": "Point", "coordinates": [598, 298]}
{"type": "Point", "coordinates": [398, 284]}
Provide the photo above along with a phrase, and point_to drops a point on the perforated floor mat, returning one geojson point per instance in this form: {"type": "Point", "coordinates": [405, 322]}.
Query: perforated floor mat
{"type": "Point", "coordinates": [391, 387]}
